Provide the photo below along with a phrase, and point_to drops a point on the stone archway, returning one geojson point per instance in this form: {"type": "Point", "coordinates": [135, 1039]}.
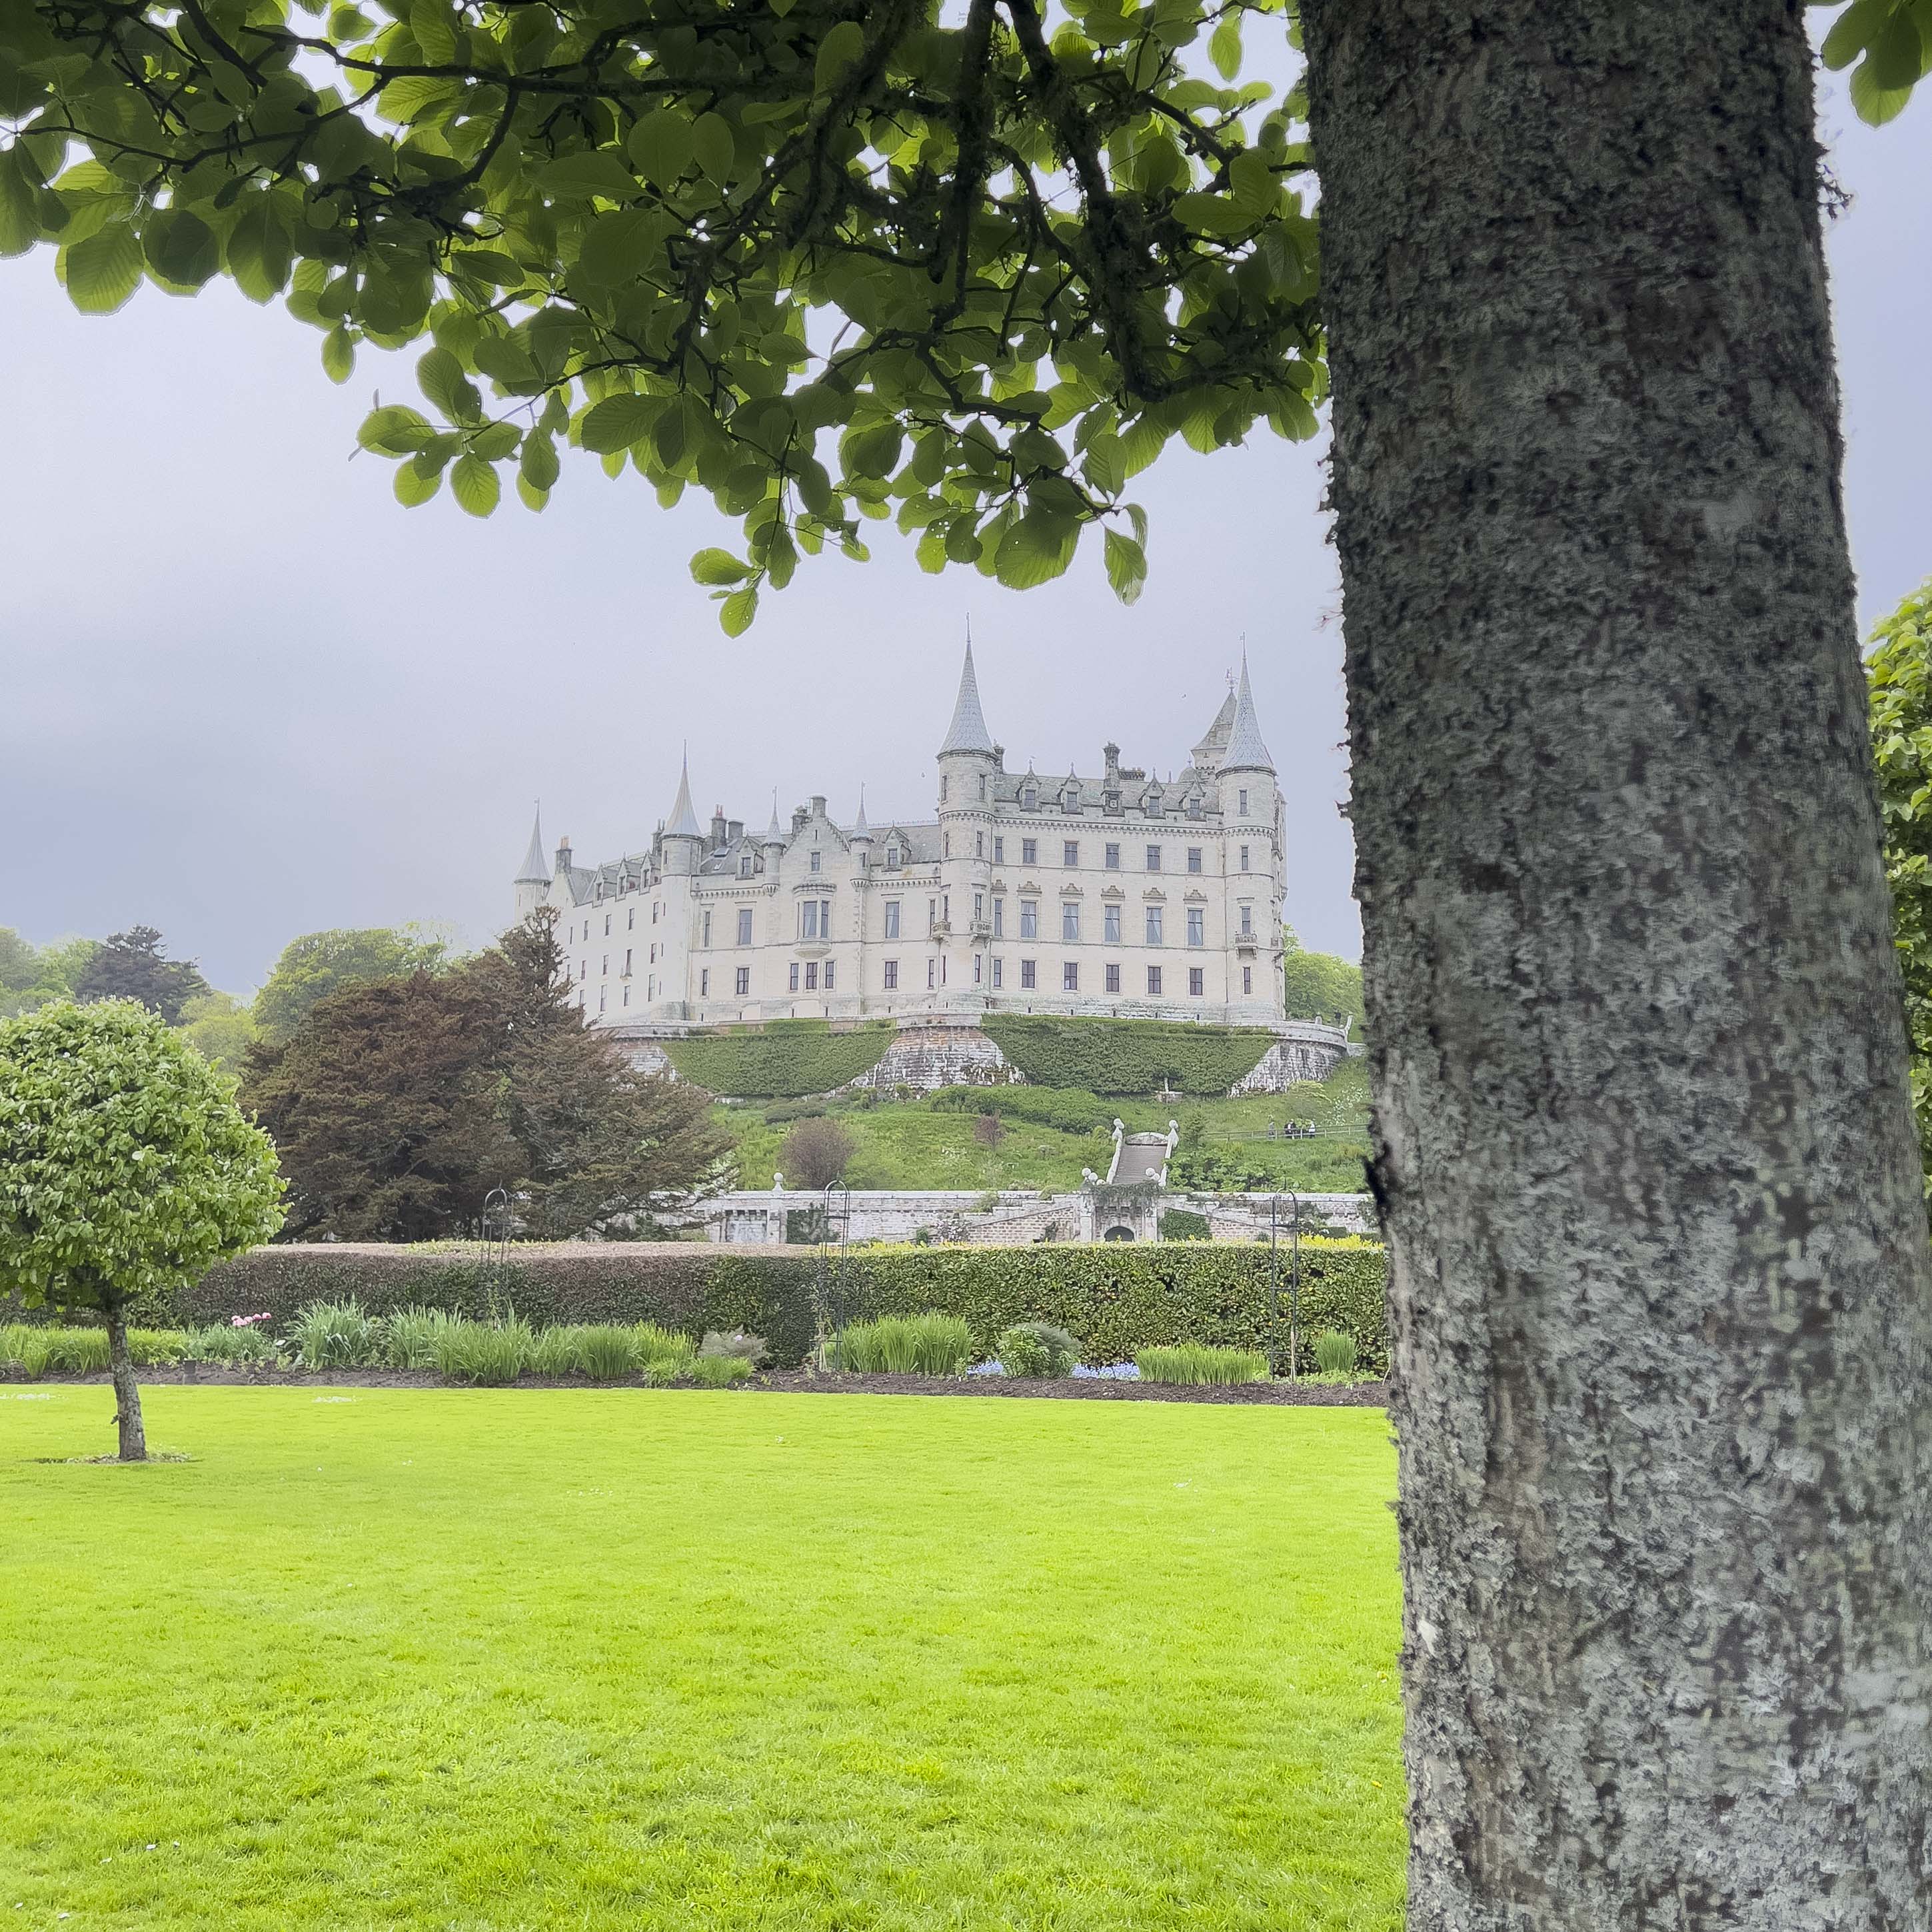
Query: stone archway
{"type": "Point", "coordinates": [1118, 1233]}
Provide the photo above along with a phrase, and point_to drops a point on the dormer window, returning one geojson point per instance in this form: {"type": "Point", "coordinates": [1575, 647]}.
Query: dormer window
{"type": "Point", "coordinates": [1070, 801]}
{"type": "Point", "coordinates": [744, 865]}
{"type": "Point", "coordinates": [892, 858]}
{"type": "Point", "coordinates": [1194, 807]}
{"type": "Point", "coordinates": [815, 866]}
{"type": "Point", "coordinates": [1029, 799]}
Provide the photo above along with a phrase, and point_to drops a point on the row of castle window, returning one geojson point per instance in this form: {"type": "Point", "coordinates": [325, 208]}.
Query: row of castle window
{"type": "Point", "coordinates": [1069, 850]}
{"type": "Point", "coordinates": [820, 976]}
{"type": "Point", "coordinates": [1070, 798]}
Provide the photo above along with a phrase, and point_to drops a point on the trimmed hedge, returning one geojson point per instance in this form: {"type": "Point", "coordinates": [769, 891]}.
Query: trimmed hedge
{"type": "Point", "coordinates": [786, 1060]}
{"type": "Point", "coordinates": [1127, 1057]}
{"type": "Point", "coordinates": [1115, 1299]}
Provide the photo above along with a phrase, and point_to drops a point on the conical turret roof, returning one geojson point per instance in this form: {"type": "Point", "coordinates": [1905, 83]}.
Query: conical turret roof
{"type": "Point", "coordinates": [536, 868]}
{"type": "Point", "coordinates": [1246, 751]}
{"type": "Point", "coordinates": [683, 821]}
{"type": "Point", "coordinates": [968, 732]}
{"type": "Point", "coordinates": [774, 832]}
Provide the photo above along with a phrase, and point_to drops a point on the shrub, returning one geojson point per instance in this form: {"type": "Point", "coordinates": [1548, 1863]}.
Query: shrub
{"type": "Point", "coordinates": [410, 1338]}
{"type": "Point", "coordinates": [783, 1061]}
{"type": "Point", "coordinates": [930, 1344]}
{"type": "Point", "coordinates": [156, 1347]}
{"type": "Point", "coordinates": [662, 1352]}
{"type": "Point", "coordinates": [1183, 1224]}
{"type": "Point", "coordinates": [1335, 1352]}
{"type": "Point", "coordinates": [721, 1371]}
{"type": "Point", "coordinates": [1069, 1111]}
{"type": "Point", "coordinates": [746, 1347]}
{"type": "Point", "coordinates": [1036, 1348]}
{"type": "Point", "coordinates": [46, 1350]}
{"type": "Point", "coordinates": [606, 1353]}
{"type": "Point", "coordinates": [815, 1154]}
{"type": "Point", "coordinates": [1128, 1056]}
{"type": "Point", "coordinates": [1200, 1367]}
{"type": "Point", "coordinates": [780, 1112]}
{"type": "Point", "coordinates": [488, 1353]}
{"type": "Point", "coordinates": [334, 1335]}
{"type": "Point", "coordinates": [989, 1130]}
{"type": "Point", "coordinates": [232, 1345]}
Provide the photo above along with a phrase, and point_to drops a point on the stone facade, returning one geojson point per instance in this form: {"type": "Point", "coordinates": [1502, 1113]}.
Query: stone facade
{"type": "Point", "coordinates": [1118, 894]}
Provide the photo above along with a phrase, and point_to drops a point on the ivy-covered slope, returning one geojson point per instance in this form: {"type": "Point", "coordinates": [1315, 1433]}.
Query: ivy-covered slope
{"type": "Point", "coordinates": [786, 1060]}
{"type": "Point", "coordinates": [1128, 1056]}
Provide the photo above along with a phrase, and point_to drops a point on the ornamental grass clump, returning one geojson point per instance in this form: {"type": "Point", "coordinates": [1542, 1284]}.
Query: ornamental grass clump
{"type": "Point", "coordinates": [410, 1337]}
{"type": "Point", "coordinates": [905, 1344]}
{"type": "Point", "coordinates": [489, 1354]}
{"type": "Point", "coordinates": [243, 1341]}
{"type": "Point", "coordinates": [663, 1355]}
{"type": "Point", "coordinates": [1036, 1348]}
{"type": "Point", "coordinates": [553, 1352]}
{"type": "Point", "coordinates": [721, 1371]}
{"type": "Point", "coordinates": [606, 1353]}
{"type": "Point", "coordinates": [1196, 1366]}
{"type": "Point", "coordinates": [1335, 1353]}
{"type": "Point", "coordinates": [66, 1352]}
{"type": "Point", "coordinates": [335, 1335]}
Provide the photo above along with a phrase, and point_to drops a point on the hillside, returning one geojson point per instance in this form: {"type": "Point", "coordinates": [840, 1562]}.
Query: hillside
{"type": "Point", "coordinates": [1048, 1135]}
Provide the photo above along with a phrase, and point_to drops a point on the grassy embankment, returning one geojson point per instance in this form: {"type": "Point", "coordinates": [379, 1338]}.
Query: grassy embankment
{"type": "Point", "coordinates": [498, 1659]}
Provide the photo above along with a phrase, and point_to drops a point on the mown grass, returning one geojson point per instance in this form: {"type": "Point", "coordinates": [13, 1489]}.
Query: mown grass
{"type": "Point", "coordinates": [509, 1659]}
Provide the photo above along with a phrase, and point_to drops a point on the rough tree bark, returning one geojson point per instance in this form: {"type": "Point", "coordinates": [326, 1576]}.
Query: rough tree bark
{"type": "Point", "coordinates": [127, 1419]}
{"type": "Point", "coordinates": [1661, 1296]}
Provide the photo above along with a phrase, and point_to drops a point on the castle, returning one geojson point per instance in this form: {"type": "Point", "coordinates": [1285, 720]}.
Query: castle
{"type": "Point", "coordinates": [1120, 895]}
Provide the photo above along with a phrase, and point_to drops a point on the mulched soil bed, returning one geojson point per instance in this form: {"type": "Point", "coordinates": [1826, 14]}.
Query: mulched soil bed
{"type": "Point", "coordinates": [796, 1382]}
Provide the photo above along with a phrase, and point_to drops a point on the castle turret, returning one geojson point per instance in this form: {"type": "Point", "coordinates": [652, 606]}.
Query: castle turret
{"type": "Point", "coordinates": [968, 758]}
{"type": "Point", "coordinates": [683, 837]}
{"type": "Point", "coordinates": [533, 882]}
{"type": "Point", "coordinates": [773, 843]}
{"type": "Point", "coordinates": [861, 839]}
{"type": "Point", "coordinates": [1246, 766]}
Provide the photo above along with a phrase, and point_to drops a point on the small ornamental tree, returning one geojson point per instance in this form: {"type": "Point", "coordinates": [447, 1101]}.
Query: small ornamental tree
{"type": "Point", "coordinates": [125, 1169]}
{"type": "Point", "coordinates": [815, 1154]}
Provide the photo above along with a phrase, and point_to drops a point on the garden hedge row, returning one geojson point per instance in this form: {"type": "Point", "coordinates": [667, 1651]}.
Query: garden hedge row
{"type": "Point", "coordinates": [786, 1060]}
{"type": "Point", "coordinates": [1114, 1299]}
{"type": "Point", "coordinates": [1128, 1057]}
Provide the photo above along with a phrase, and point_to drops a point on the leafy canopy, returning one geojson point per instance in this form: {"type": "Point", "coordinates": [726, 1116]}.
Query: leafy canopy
{"type": "Point", "coordinates": [125, 1166]}
{"type": "Point", "coordinates": [1899, 671]}
{"type": "Point", "coordinates": [318, 964]}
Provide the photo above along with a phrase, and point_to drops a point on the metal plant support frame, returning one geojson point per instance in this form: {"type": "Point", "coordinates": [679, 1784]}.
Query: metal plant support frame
{"type": "Point", "coordinates": [497, 1215]}
{"type": "Point", "coordinates": [1294, 1285]}
{"type": "Point", "coordinates": [834, 1275]}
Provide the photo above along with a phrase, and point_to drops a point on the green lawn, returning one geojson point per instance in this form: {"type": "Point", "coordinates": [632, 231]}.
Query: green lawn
{"type": "Point", "coordinates": [503, 1659]}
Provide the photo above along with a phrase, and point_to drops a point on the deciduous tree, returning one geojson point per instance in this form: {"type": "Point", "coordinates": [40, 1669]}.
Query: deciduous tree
{"type": "Point", "coordinates": [815, 1153]}
{"type": "Point", "coordinates": [125, 1169]}
{"type": "Point", "coordinates": [319, 964]}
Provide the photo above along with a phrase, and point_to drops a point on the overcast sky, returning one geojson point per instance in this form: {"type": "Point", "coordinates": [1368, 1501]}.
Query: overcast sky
{"type": "Point", "coordinates": [245, 695]}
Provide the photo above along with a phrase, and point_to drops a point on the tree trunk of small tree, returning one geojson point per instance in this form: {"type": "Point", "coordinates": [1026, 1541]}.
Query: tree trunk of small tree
{"type": "Point", "coordinates": [133, 1433]}
{"type": "Point", "coordinates": [1661, 1292]}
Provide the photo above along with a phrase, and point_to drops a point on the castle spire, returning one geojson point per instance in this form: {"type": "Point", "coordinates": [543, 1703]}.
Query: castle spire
{"type": "Point", "coordinates": [534, 872]}
{"type": "Point", "coordinates": [683, 821]}
{"type": "Point", "coordinates": [862, 829]}
{"type": "Point", "coordinates": [968, 731]}
{"type": "Point", "coordinates": [1246, 751]}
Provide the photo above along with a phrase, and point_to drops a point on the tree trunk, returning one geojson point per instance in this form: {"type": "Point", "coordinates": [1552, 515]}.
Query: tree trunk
{"type": "Point", "coordinates": [126, 1391]}
{"type": "Point", "coordinates": [1660, 1293]}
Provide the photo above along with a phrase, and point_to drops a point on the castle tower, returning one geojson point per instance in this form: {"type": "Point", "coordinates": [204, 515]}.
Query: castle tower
{"type": "Point", "coordinates": [683, 837]}
{"type": "Point", "coordinates": [1251, 809]}
{"type": "Point", "coordinates": [532, 882]}
{"type": "Point", "coordinates": [968, 758]}
{"type": "Point", "coordinates": [861, 841]}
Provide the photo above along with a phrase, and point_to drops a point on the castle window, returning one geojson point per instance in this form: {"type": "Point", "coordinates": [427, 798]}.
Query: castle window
{"type": "Point", "coordinates": [1029, 851]}
{"type": "Point", "coordinates": [1113, 858]}
{"type": "Point", "coordinates": [828, 966]}
{"type": "Point", "coordinates": [1244, 858]}
{"type": "Point", "coordinates": [892, 976]}
{"type": "Point", "coordinates": [943, 785]}
{"type": "Point", "coordinates": [1154, 981]}
{"type": "Point", "coordinates": [627, 962]}
{"type": "Point", "coordinates": [1113, 979]}
{"type": "Point", "coordinates": [1070, 800]}
{"type": "Point", "coordinates": [744, 926]}
{"type": "Point", "coordinates": [1153, 805]}
{"type": "Point", "coordinates": [983, 787]}
{"type": "Point", "coordinates": [975, 969]}
{"type": "Point", "coordinates": [1247, 979]}
{"type": "Point", "coordinates": [979, 907]}
{"type": "Point", "coordinates": [1070, 852]}
{"type": "Point", "coordinates": [743, 981]}
{"type": "Point", "coordinates": [1110, 923]}
{"type": "Point", "coordinates": [932, 916]}
{"type": "Point", "coordinates": [946, 844]}
{"type": "Point", "coordinates": [1153, 858]}
{"type": "Point", "coordinates": [794, 976]}
{"type": "Point", "coordinates": [1029, 799]}
{"type": "Point", "coordinates": [707, 929]}
{"type": "Point", "coordinates": [1194, 858]}
{"type": "Point", "coordinates": [601, 996]}
{"type": "Point", "coordinates": [811, 975]}
{"type": "Point", "coordinates": [978, 845]}
{"type": "Point", "coordinates": [1153, 925]}
{"type": "Point", "coordinates": [1197, 981]}
{"type": "Point", "coordinates": [607, 925]}
{"type": "Point", "coordinates": [999, 919]}
{"type": "Point", "coordinates": [1197, 926]}
{"type": "Point", "coordinates": [703, 983]}
{"type": "Point", "coordinates": [1069, 922]}
{"type": "Point", "coordinates": [630, 920]}
{"type": "Point", "coordinates": [1026, 975]}
{"type": "Point", "coordinates": [1070, 978]}
{"type": "Point", "coordinates": [892, 919]}
{"type": "Point", "coordinates": [626, 1000]}
{"type": "Point", "coordinates": [815, 858]}
{"type": "Point", "coordinates": [1242, 805]}
{"type": "Point", "coordinates": [892, 858]}
{"type": "Point", "coordinates": [1247, 921]}
{"type": "Point", "coordinates": [1029, 918]}
{"type": "Point", "coordinates": [1194, 807]}
{"type": "Point", "coordinates": [606, 965]}
{"type": "Point", "coordinates": [929, 975]}
{"type": "Point", "coordinates": [996, 975]}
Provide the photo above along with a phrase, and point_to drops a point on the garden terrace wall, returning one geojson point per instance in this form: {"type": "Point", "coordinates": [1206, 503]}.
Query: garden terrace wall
{"type": "Point", "coordinates": [1114, 1298]}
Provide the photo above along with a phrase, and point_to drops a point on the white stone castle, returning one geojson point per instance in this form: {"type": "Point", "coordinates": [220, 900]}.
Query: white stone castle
{"type": "Point", "coordinates": [1120, 895]}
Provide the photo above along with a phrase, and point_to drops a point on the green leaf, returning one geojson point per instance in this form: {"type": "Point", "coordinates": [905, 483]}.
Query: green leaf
{"type": "Point", "coordinates": [414, 486]}
{"type": "Point", "coordinates": [1033, 551]}
{"type": "Point", "coordinates": [338, 355]}
{"type": "Point", "coordinates": [181, 247]}
{"type": "Point", "coordinates": [1875, 105]}
{"type": "Point", "coordinates": [475, 485]}
{"type": "Point", "coordinates": [718, 566]}
{"type": "Point", "coordinates": [593, 171]}
{"type": "Point", "coordinates": [1224, 46]}
{"type": "Point", "coordinates": [103, 271]}
{"type": "Point", "coordinates": [538, 466]}
{"type": "Point", "coordinates": [661, 144]}
{"type": "Point", "coordinates": [259, 250]}
{"type": "Point", "coordinates": [716, 151]}
{"type": "Point", "coordinates": [1898, 57]}
{"type": "Point", "coordinates": [614, 424]}
{"type": "Point", "coordinates": [1126, 566]}
{"type": "Point", "coordinates": [1853, 30]}
{"type": "Point", "coordinates": [440, 376]}
{"type": "Point", "coordinates": [738, 610]}
{"type": "Point", "coordinates": [534, 497]}
{"type": "Point", "coordinates": [393, 431]}
{"type": "Point", "coordinates": [435, 35]}
{"type": "Point", "coordinates": [498, 440]}
{"type": "Point", "coordinates": [841, 45]}
{"type": "Point", "coordinates": [19, 217]}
